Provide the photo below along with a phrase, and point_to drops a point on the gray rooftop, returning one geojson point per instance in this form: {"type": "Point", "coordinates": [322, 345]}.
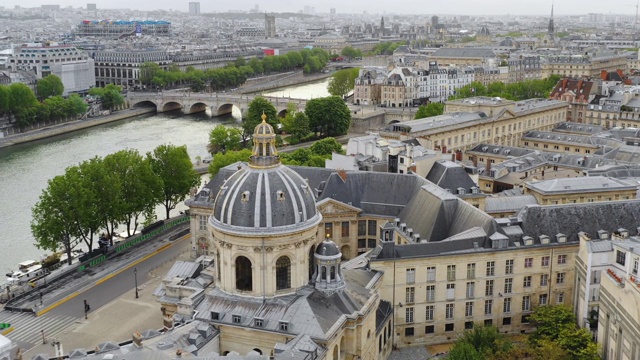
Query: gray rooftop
{"type": "Point", "coordinates": [581, 184]}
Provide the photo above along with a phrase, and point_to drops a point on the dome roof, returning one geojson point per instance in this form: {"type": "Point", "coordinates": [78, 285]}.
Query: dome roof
{"type": "Point", "coordinates": [263, 199]}
{"type": "Point", "coordinates": [328, 248]}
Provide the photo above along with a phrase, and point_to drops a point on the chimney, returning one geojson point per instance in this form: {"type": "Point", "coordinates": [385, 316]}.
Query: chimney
{"type": "Point", "coordinates": [603, 74]}
{"type": "Point", "coordinates": [137, 339]}
{"type": "Point", "coordinates": [168, 323]}
{"type": "Point", "coordinates": [487, 167]}
{"type": "Point", "coordinates": [474, 158]}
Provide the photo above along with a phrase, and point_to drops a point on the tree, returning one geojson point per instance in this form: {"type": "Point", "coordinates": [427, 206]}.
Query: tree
{"type": "Point", "coordinates": [54, 222]}
{"type": "Point", "coordinates": [329, 116]}
{"type": "Point", "coordinates": [5, 99]}
{"type": "Point", "coordinates": [148, 70]}
{"type": "Point", "coordinates": [48, 86]}
{"type": "Point", "coordinates": [222, 160]}
{"type": "Point", "coordinates": [342, 82]}
{"type": "Point", "coordinates": [140, 189]}
{"type": "Point", "coordinates": [432, 109]}
{"type": "Point", "coordinates": [173, 165]}
{"type": "Point", "coordinates": [223, 139]}
{"type": "Point", "coordinates": [482, 342]}
{"type": "Point", "coordinates": [22, 98]}
{"type": "Point", "coordinates": [110, 96]}
{"type": "Point", "coordinates": [557, 323]}
{"type": "Point", "coordinates": [326, 146]}
{"type": "Point", "coordinates": [257, 107]}
{"type": "Point", "coordinates": [351, 53]}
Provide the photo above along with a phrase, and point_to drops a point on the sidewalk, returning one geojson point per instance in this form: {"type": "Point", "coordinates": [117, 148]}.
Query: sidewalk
{"type": "Point", "coordinates": [117, 320]}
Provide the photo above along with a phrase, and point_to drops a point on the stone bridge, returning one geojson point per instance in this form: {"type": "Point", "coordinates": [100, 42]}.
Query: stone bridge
{"type": "Point", "coordinates": [219, 103]}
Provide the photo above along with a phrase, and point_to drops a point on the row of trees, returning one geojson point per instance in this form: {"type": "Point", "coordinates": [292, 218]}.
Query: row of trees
{"type": "Point", "coordinates": [313, 156]}
{"type": "Point", "coordinates": [101, 193]}
{"type": "Point", "coordinates": [110, 96]}
{"type": "Point", "coordinates": [557, 337]}
{"type": "Point", "coordinates": [342, 82]}
{"type": "Point", "coordinates": [386, 48]}
{"type": "Point", "coordinates": [431, 109]}
{"type": "Point", "coordinates": [234, 73]}
{"type": "Point", "coordinates": [521, 90]}
{"type": "Point", "coordinates": [23, 107]}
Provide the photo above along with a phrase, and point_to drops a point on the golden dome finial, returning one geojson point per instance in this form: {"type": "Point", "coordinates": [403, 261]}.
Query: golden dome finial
{"type": "Point", "coordinates": [264, 117]}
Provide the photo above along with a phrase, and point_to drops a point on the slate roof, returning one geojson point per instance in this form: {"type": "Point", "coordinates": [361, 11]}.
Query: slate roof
{"type": "Point", "coordinates": [464, 53]}
{"type": "Point", "coordinates": [451, 176]}
{"type": "Point", "coordinates": [508, 203]}
{"type": "Point", "coordinates": [578, 128]}
{"type": "Point", "coordinates": [508, 151]}
{"type": "Point", "coordinates": [570, 219]}
{"type": "Point", "coordinates": [582, 184]}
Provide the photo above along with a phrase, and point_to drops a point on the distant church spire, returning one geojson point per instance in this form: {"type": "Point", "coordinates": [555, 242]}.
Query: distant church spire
{"type": "Point", "coordinates": [551, 30]}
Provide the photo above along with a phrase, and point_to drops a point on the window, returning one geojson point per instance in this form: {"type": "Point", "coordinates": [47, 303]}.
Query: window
{"type": "Point", "coordinates": [429, 329]}
{"type": "Point", "coordinates": [372, 227]}
{"type": "Point", "coordinates": [468, 325]}
{"type": "Point", "coordinates": [508, 285]}
{"type": "Point", "coordinates": [345, 229]}
{"type": "Point", "coordinates": [488, 307]}
{"type": "Point", "coordinates": [528, 262]}
{"type": "Point", "coordinates": [328, 230]}
{"type": "Point", "coordinates": [371, 243]}
{"type": "Point", "coordinates": [506, 321]}
{"type": "Point", "coordinates": [429, 313]}
{"type": "Point", "coordinates": [451, 272]}
{"type": "Point", "coordinates": [411, 275]}
{"type": "Point", "coordinates": [508, 267]}
{"type": "Point", "coordinates": [202, 222]}
{"type": "Point", "coordinates": [544, 279]}
{"type": "Point", "coordinates": [448, 327]}
{"type": "Point", "coordinates": [620, 257]}
{"type": "Point", "coordinates": [560, 298]}
{"type": "Point", "coordinates": [543, 299]}
{"type": "Point", "coordinates": [526, 303]}
{"type": "Point", "coordinates": [408, 315]}
{"type": "Point", "coordinates": [362, 227]}
{"type": "Point", "coordinates": [560, 278]}
{"type": "Point", "coordinates": [244, 276]}
{"type": "Point", "coordinates": [431, 292]}
{"type": "Point", "coordinates": [488, 322]}
{"type": "Point", "coordinates": [471, 271]}
{"type": "Point", "coordinates": [408, 331]}
{"type": "Point", "coordinates": [526, 281]}
{"type": "Point", "coordinates": [471, 290]}
{"type": "Point", "coordinates": [283, 273]}
{"type": "Point", "coordinates": [545, 261]}
{"type": "Point", "coordinates": [488, 289]}
{"type": "Point", "coordinates": [410, 295]}
{"type": "Point", "coordinates": [635, 266]}
{"type": "Point", "coordinates": [468, 309]}
{"type": "Point", "coordinates": [258, 322]}
{"type": "Point", "coordinates": [524, 319]}
{"type": "Point", "coordinates": [237, 319]}
{"type": "Point", "coordinates": [491, 268]}
{"type": "Point", "coordinates": [449, 311]}
{"type": "Point", "coordinates": [562, 259]}
{"type": "Point", "coordinates": [506, 305]}
{"type": "Point", "coordinates": [451, 289]}
{"type": "Point", "coordinates": [215, 315]}
{"type": "Point", "coordinates": [362, 243]}
{"type": "Point", "coordinates": [431, 273]}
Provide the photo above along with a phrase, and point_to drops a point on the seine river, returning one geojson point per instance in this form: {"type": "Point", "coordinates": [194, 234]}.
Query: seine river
{"type": "Point", "coordinates": [26, 168]}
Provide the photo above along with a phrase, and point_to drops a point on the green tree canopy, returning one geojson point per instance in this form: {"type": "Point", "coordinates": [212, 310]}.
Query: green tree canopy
{"type": "Point", "coordinates": [5, 99]}
{"type": "Point", "coordinates": [329, 115]}
{"type": "Point", "coordinates": [257, 107]}
{"type": "Point", "coordinates": [431, 109]}
{"type": "Point", "coordinates": [173, 165]}
{"type": "Point", "coordinates": [223, 138]}
{"type": "Point", "coordinates": [110, 96]}
{"type": "Point", "coordinates": [148, 70]}
{"type": "Point", "coordinates": [482, 342]}
{"type": "Point", "coordinates": [49, 86]}
{"type": "Point", "coordinates": [342, 82]}
{"type": "Point", "coordinates": [326, 146]}
{"type": "Point", "coordinates": [351, 53]}
{"type": "Point", "coordinates": [221, 160]}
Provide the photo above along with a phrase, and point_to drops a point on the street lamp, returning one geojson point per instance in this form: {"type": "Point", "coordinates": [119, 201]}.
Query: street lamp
{"type": "Point", "coordinates": [135, 277]}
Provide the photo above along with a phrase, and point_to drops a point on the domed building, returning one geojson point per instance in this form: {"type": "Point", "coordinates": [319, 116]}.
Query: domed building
{"type": "Point", "coordinates": [264, 218]}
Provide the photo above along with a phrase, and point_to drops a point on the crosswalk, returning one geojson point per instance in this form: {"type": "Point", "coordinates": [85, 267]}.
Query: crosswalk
{"type": "Point", "coordinates": [28, 328]}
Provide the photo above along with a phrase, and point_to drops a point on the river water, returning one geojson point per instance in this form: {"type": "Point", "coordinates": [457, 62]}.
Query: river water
{"type": "Point", "coordinates": [26, 168]}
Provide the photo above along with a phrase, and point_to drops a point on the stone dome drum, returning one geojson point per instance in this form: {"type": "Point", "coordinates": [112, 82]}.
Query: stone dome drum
{"type": "Point", "coordinates": [264, 196]}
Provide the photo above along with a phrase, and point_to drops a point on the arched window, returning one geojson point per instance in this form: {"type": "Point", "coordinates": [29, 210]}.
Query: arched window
{"type": "Point", "coordinates": [312, 264]}
{"type": "Point", "coordinates": [283, 273]}
{"type": "Point", "coordinates": [244, 275]}
{"type": "Point", "coordinates": [324, 273]}
{"type": "Point", "coordinates": [333, 273]}
{"type": "Point", "coordinates": [218, 264]}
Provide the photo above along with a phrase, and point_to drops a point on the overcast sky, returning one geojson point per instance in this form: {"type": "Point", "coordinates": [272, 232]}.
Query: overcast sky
{"type": "Point", "coordinates": [453, 7]}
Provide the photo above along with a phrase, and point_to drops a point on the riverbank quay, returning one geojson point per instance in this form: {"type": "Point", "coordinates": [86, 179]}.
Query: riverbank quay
{"type": "Point", "coordinates": [297, 78]}
{"type": "Point", "coordinates": [72, 126]}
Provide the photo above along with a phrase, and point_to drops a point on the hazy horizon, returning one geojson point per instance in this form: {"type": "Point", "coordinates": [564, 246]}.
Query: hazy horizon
{"type": "Point", "coordinates": [451, 7]}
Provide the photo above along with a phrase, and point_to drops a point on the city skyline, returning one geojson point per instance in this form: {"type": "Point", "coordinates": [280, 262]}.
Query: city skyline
{"type": "Point", "coordinates": [452, 7]}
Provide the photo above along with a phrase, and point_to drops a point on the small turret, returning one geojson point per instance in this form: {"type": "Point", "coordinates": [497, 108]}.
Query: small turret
{"type": "Point", "coordinates": [328, 276]}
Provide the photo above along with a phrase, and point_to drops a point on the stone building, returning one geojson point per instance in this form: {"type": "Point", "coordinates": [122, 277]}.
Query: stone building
{"type": "Point", "coordinates": [580, 190]}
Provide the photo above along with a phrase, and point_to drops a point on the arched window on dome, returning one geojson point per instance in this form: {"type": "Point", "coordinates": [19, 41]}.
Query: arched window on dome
{"type": "Point", "coordinates": [283, 273]}
{"type": "Point", "coordinates": [333, 273]}
{"type": "Point", "coordinates": [244, 275]}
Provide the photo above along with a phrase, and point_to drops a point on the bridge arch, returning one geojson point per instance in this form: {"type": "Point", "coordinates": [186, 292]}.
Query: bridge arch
{"type": "Point", "coordinates": [223, 109]}
{"type": "Point", "coordinates": [171, 105]}
{"type": "Point", "coordinates": [198, 107]}
{"type": "Point", "coordinates": [143, 103]}
{"type": "Point", "coordinates": [282, 113]}
{"type": "Point", "coordinates": [394, 122]}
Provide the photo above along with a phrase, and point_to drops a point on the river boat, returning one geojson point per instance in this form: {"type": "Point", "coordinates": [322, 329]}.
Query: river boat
{"type": "Point", "coordinates": [27, 270]}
